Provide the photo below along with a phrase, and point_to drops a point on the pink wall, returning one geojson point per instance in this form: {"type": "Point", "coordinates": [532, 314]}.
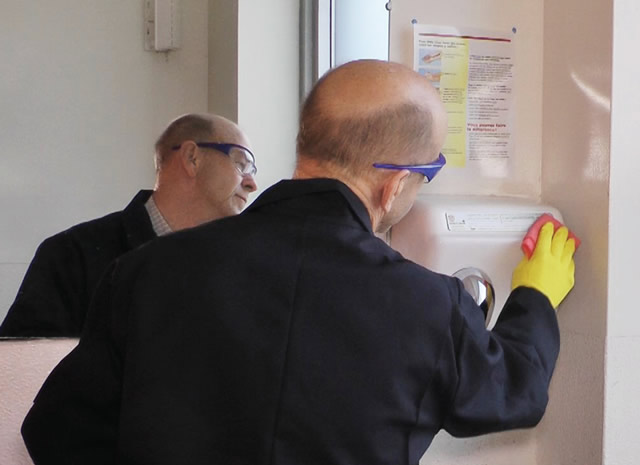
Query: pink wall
{"type": "Point", "coordinates": [24, 365]}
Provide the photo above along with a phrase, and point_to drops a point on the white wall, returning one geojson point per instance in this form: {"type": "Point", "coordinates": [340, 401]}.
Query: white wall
{"type": "Point", "coordinates": [223, 58]}
{"type": "Point", "coordinates": [254, 78]}
{"type": "Point", "coordinates": [82, 104]}
{"type": "Point", "coordinates": [622, 412]}
{"type": "Point", "coordinates": [268, 76]}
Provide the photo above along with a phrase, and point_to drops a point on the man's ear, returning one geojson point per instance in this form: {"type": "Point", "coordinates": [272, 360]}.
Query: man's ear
{"type": "Point", "coordinates": [190, 158]}
{"type": "Point", "coordinates": [392, 188]}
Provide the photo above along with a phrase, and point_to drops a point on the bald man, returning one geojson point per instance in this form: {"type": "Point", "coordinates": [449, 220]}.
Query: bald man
{"type": "Point", "coordinates": [304, 339]}
{"type": "Point", "coordinates": [204, 171]}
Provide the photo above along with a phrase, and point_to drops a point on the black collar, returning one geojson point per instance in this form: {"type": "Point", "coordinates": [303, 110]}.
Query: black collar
{"type": "Point", "coordinates": [292, 188]}
{"type": "Point", "coordinates": [135, 219]}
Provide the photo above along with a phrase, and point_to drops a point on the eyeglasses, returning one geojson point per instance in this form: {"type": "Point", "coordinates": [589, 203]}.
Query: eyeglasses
{"type": "Point", "coordinates": [429, 170]}
{"type": "Point", "coordinates": [242, 157]}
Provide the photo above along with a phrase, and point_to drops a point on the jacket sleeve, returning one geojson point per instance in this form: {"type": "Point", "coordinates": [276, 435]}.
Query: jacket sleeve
{"type": "Point", "coordinates": [74, 417]}
{"type": "Point", "coordinates": [501, 377]}
{"type": "Point", "coordinates": [52, 298]}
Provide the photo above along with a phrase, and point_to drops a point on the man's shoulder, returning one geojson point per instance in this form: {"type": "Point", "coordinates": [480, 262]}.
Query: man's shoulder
{"type": "Point", "coordinates": [113, 219]}
{"type": "Point", "coordinates": [98, 230]}
{"type": "Point", "coordinates": [196, 248]}
{"type": "Point", "coordinates": [194, 239]}
{"type": "Point", "coordinates": [87, 228]}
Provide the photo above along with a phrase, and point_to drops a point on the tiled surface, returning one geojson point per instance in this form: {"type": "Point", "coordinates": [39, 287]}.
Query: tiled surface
{"type": "Point", "coordinates": [24, 366]}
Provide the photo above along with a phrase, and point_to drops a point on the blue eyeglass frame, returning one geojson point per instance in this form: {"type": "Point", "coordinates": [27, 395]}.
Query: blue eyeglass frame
{"type": "Point", "coordinates": [429, 170]}
{"type": "Point", "coordinates": [226, 148]}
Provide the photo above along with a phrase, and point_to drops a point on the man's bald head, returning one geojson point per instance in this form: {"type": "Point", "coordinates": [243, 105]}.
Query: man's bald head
{"type": "Point", "coordinates": [196, 127]}
{"type": "Point", "coordinates": [371, 111]}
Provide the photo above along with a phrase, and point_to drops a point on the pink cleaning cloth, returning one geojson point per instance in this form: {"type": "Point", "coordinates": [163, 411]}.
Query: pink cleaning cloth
{"type": "Point", "coordinates": [531, 238]}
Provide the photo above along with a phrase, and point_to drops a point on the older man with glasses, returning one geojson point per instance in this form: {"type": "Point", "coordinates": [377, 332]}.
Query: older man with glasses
{"type": "Point", "coordinates": [292, 334]}
{"type": "Point", "coordinates": [204, 171]}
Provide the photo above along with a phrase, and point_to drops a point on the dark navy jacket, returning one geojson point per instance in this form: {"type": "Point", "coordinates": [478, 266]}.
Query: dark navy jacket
{"type": "Point", "coordinates": [287, 335]}
{"type": "Point", "coordinates": [57, 288]}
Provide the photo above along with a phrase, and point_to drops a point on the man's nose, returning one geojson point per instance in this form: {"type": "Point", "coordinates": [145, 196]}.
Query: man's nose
{"type": "Point", "coordinates": [249, 183]}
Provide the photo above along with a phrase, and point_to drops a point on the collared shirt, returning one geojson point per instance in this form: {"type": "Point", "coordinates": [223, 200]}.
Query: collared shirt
{"type": "Point", "coordinates": [158, 222]}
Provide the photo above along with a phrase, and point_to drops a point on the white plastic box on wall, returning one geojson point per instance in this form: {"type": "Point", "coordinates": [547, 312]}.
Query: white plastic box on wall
{"type": "Point", "coordinates": [162, 25]}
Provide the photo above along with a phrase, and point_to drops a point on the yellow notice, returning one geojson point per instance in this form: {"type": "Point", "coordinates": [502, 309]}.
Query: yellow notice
{"type": "Point", "coordinates": [473, 71]}
{"type": "Point", "coordinates": [453, 91]}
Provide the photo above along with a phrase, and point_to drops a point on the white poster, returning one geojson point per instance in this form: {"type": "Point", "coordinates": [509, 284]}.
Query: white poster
{"type": "Point", "coordinates": [473, 70]}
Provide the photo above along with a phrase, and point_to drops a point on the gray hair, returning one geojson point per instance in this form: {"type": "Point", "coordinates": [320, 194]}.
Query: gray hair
{"type": "Point", "coordinates": [187, 127]}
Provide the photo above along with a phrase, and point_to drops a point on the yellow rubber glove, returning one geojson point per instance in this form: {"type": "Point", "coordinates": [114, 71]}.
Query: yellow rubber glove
{"type": "Point", "coordinates": [551, 268]}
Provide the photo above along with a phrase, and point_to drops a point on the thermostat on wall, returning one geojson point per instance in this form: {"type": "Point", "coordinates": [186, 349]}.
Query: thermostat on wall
{"type": "Point", "coordinates": [161, 25]}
